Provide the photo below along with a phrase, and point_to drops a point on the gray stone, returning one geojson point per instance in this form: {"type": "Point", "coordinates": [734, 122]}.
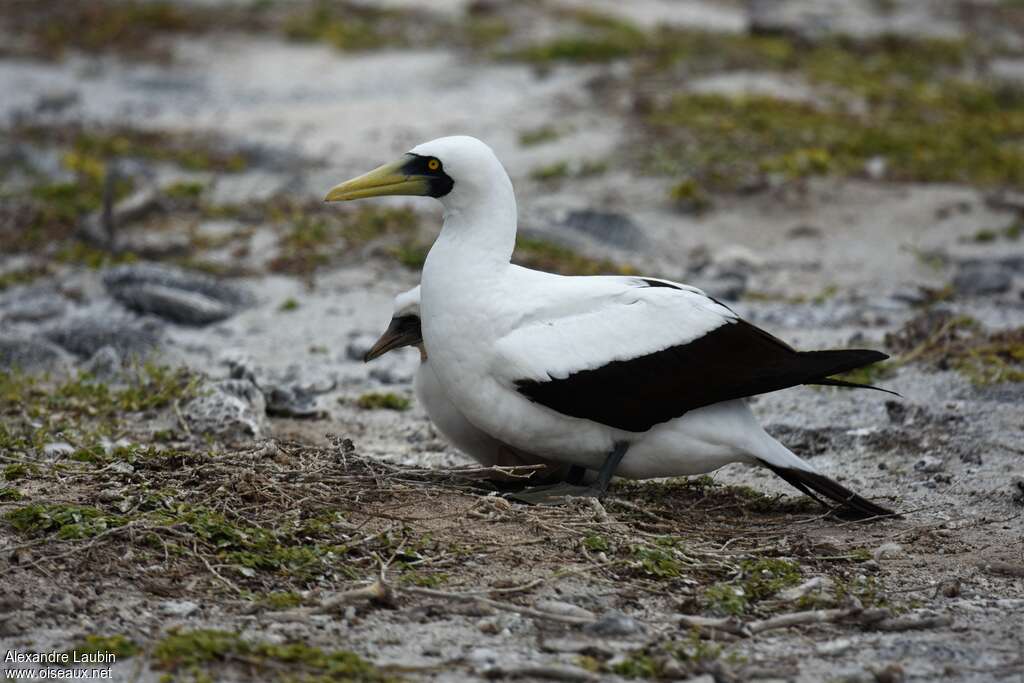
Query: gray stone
{"type": "Point", "coordinates": [888, 551]}
{"type": "Point", "coordinates": [84, 336]}
{"type": "Point", "coordinates": [615, 229]}
{"type": "Point", "coordinates": [31, 355]}
{"type": "Point", "coordinates": [729, 286]}
{"type": "Point", "coordinates": [292, 401]}
{"type": "Point", "coordinates": [174, 294]}
{"type": "Point", "coordinates": [178, 608]}
{"type": "Point", "coordinates": [56, 449]}
{"type": "Point", "coordinates": [982, 280]}
{"type": "Point", "coordinates": [929, 465]}
{"type": "Point", "coordinates": [104, 364]}
{"type": "Point", "coordinates": [614, 624]}
{"type": "Point", "coordinates": [563, 609]}
{"type": "Point", "coordinates": [33, 304]}
{"type": "Point", "coordinates": [230, 408]}
{"type": "Point", "coordinates": [358, 346]}
{"type": "Point", "coordinates": [283, 399]}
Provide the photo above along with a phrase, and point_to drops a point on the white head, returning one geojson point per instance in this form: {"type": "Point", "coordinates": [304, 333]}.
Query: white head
{"type": "Point", "coordinates": [407, 303]}
{"type": "Point", "coordinates": [459, 170]}
{"type": "Point", "coordinates": [404, 329]}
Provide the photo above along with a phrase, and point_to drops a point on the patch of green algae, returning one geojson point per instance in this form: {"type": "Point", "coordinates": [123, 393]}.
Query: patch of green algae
{"type": "Point", "coordinates": [196, 652]}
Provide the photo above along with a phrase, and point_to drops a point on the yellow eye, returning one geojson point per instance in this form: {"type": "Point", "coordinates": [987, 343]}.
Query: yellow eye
{"type": "Point", "coordinates": [433, 164]}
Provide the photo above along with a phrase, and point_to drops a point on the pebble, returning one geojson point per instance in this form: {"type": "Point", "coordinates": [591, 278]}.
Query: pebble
{"type": "Point", "coordinates": [31, 354]}
{"type": "Point", "coordinates": [929, 465]}
{"type": "Point", "coordinates": [12, 627]}
{"type": "Point", "coordinates": [728, 286]}
{"type": "Point", "coordinates": [892, 673]}
{"type": "Point", "coordinates": [35, 306]}
{"type": "Point", "coordinates": [178, 608]}
{"type": "Point", "coordinates": [703, 678]}
{"type": "Point", "coordinates": [564, 609]}
{"type": "Point", "coordinates": [10, 603]}
{"type": "Point", "coordinates": [482, 655]}
{"type": "Point", "coordinates": [55, 449]}
{"type": "Point", "coordinates": [835, 647]}
{"type": "Point", "coordinates": [358, 346]}
{"type": "Point", "coordinates": [105, 364]}
{"type": "Point", "coordinates": [614, 624]}
{"type": "Point", "coordinates": [611, 228]}
{"type": "Point", "coordinates": [982, 279]}
{"type": "Point", "coordinates": [888, 551]}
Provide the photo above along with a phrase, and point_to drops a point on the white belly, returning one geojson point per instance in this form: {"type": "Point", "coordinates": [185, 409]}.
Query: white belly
{"type": "Point", "coordinates": [464, 435]}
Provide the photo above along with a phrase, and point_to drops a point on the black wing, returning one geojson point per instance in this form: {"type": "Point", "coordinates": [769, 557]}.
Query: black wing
{"type": "Point", "coordinates": [732, 361]}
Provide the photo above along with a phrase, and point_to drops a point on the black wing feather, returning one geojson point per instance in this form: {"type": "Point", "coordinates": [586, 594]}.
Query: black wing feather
{"type": "Point", "coordinates": [812, 483]}
{"type": "Point", "coordinates": [732, 361]}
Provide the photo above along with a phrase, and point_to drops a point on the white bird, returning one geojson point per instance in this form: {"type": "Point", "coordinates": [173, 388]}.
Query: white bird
{"type": "Point", "coordinates": [634, 376]}
{"type": "Point", "coordinates": [405, 330]}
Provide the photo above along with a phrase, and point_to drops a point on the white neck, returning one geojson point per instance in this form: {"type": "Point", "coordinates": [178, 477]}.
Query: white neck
{"type": "Point", "coordinates": [480, 221]}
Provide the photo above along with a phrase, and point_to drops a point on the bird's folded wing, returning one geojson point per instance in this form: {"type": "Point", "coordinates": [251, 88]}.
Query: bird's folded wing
{"type": "Point", "coordinates": [651, 353]}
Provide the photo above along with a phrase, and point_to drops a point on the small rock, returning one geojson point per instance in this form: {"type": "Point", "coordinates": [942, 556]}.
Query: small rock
{"type": "Point", "coordinates": [121, 467]}
{"type": "Point", "coordinates": [385, 376]}
{"type": "Point", "coordinates": [482, 655]}
{"type": "Point", "coordinates": [818, 585]}
{"type": "Point", "coordinates": [929, 465]}
{"type": "Point", "coordinates": [174, 294]}
{"type": "Point", "coordinates": [888, 551]}
{"type": "Point", "coordinates": [804, 231]}
{"type": "Point", "coordinates": [178, 608]}
{"type": "Point", "coordinates": [876, 167]}
{"type": "Point", "coordinates": [12, 627]}
{"type": "Point", "coordinates": [896, 410]}
{"type": "Point", "coordinates": [832, 648]}
{"type": "Point", "coordinates": [615, 229]}
{"type": "Point", "coordinates": [105, 364]}
{"type": "Point", "coordinates": [358, 347]}
{"type": "Point", "coordinates": [892, 673]}
{"type": "Point", "coordinates": [564, 609]}
{"type": "Point", "coordinates": [56, 449]}
{"type": "Point", "coordinates": [85, 335]}
{"type": "Point", "coordinates": [728, 286]}
{"type": "Point", "coordinates": [982, 279]}
{"type": "Point", "coordinates": [614, 624]}
{"type": "Point", "coordinates": [230, 408]}
{"type": "Point", "coordinates": [703, 678]}
{"type": "Point", "coordinates": [1018, 490]}
{"type": "Point", "coordinates": [35, 305]}
{"type": "Point", "coordinates": [10, 602]}
{"type": "Point", "coordinates": [61, 605]}
{"type": "Point", "coordinates": [31, 355]}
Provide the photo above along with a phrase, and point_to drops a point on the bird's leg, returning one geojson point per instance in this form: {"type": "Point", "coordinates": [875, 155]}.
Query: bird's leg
{"type": "Point", "coordinates": [554, 493]}
{"type": "Point", "coordinates": [575, 475]}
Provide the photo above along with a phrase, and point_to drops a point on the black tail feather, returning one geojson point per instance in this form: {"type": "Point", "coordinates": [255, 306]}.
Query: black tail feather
{"type": "Point", "coordinates": [811, 483]}
{"type": "Point", "coordinates": [838, 361]}
{"type": "Point", "coordinates": [833, 382]}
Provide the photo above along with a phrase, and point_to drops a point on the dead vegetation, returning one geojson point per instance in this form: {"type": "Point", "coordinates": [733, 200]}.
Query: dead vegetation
{"type": "Point", "coordinates": [285, 530]}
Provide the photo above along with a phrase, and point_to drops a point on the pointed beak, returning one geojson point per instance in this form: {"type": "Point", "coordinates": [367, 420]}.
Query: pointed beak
{"type": "Point", "coordinates": [389, 179]}
{"type": "Point", "coordinates": [403, 331]}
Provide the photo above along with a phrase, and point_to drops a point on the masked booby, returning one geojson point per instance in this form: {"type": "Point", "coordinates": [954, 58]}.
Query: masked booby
{"type": "Point", "coordinates": [634, 376]}
{"type": "Point", "coordinates": [405, 330]}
